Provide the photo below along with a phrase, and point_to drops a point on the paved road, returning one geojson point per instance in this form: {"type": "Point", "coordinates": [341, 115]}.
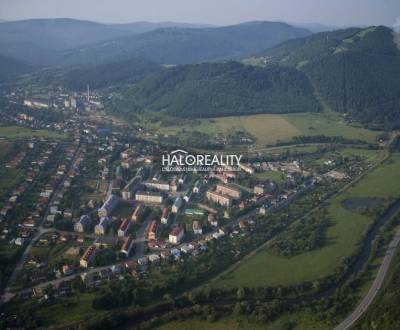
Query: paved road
{"type": "Point", "coordinates": [376, 286]}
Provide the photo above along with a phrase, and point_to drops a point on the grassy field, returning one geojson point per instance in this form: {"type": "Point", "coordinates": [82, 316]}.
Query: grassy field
{"type": "Point", "coordinates": [330, 124]}
{"type": "Point", "coordinates": [271, 175]}
{"type": "Point", "coordinates": [270, 129]}
{"type": "Point", "coordinates": [298, 321]}
{"type": "Point", "coordinates": [267, 129]}
{"type": "Point", "coordinates": [265, 269]}
{"type": "Point", "coordinates": [223, 324]}
{"type": "Point", "coordinates": [15, 132]}
{"type": "Point", "coordinates": [79, 309]}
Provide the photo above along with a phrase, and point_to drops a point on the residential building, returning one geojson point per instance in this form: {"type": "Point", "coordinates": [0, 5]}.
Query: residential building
{"type": "Point", "coordinates": [218, 198]}
{"type": "Point", "coordinates": [124, 228]}
{"type": "Point", "coordinates": [139, 209]}
{"type": "Point", "coordinates": [152, 233]}
{"type": "Point", "coordinates": [103, 225]}
{"type": "Point", "coordinates": [197, 228]}
{"type": "Point", "coordinates": [127, 246]}
{"type": "Point", "coordinates": [159, 185]}
{"type": "Point", "coordinates": [108, 206]}
{"type": "Point", "coordinates": [197, 187]}
{"type": "Point", "coordinates": [149, 197]}
{"type": "Point", "coordinates": [228, 190]}
{"type": "Point", "coordinates": [177, 205]}
{"type": "Point", "coordinates": [247, 168]}
{"type": "Point", "coordinates": [82, 224]}
{"type": "Point", "coordinates": [87, 256]}
{"type": "Point", "coordinates": [165, 215]}
{"type": "Point", "coordinates": [176, 235]}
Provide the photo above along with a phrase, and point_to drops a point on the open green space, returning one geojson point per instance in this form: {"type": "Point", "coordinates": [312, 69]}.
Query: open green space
{"type": "Point", "coordinates": [343, 236]}
{"type": "Point", "coordinates": [16, 132]}
{"type": "Point", "coordinates": [223, 324]}
{"type": "Point", "coordinates": [266, 129]}
{"type": "Point", "coordinates": [269, 129]}
{"type": "Point", "coordinates": [329, 124]}
{"type": "Point", "coordinates": [271, 175]}
{"type": "Point", "coordinates": [80, 307]}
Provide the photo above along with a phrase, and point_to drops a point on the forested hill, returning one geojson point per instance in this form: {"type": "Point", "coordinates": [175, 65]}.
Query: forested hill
{"type": "Point", "coordinates": [188, 45]}
{"type": "Point", "coordinates": [356, 71]}
{"type": "Point", "coordinates": [9, 68]}
{"type": "Point", "coordinates": [220, 89]}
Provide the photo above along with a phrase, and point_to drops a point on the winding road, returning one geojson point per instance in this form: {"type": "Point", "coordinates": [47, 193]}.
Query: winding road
{"type": "Point", "coordinates": [375, 287]}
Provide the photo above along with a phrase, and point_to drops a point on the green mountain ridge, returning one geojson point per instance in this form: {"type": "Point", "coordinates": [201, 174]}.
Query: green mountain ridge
{"type": "Point", "coordinates": [356, 71]}
{"type": "Point", "coordinates": [220, 89]}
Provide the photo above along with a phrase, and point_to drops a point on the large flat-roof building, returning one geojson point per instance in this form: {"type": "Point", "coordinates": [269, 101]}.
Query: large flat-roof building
{"type": "Point", "coordinates": [228, 190]}
{"type": "Point", "coordinates": [149, 197]}
{"type": "Point", "coordinates": [159, 185]}
{"type": "Point", "coordinates": [217, 198]}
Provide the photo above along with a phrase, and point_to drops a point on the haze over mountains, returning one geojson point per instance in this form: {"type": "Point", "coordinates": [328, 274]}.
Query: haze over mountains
{"type": "Point", "coordinates": [284, 68]}
{"type": "Point", "coordinates": [66, 41]}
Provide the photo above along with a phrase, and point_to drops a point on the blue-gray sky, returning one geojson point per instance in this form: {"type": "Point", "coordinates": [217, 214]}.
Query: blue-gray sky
{"type": "Point", "coordinates": [219, 12]}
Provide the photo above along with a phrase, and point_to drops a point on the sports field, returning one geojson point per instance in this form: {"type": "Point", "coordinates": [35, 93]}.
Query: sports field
{"type": "Point", "coordinates": [264, 268]}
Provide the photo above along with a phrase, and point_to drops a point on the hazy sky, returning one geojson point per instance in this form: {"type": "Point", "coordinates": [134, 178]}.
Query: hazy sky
{"type": "Point", "coordinates": [220, 12]}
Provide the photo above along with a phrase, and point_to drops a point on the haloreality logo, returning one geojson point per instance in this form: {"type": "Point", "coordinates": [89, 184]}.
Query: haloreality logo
{"type": "Point", "coordinates": [182, 161]}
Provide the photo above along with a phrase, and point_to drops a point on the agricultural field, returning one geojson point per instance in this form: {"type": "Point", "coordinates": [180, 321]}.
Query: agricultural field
{"type": "Point", "coordinates": [268, 129]}
{"type": "Point", "coordinates": [15, 132]}
{"type": "Point", "coordinates": [329, 124]}
{"type": "Point", "coordinates": [347, 227]}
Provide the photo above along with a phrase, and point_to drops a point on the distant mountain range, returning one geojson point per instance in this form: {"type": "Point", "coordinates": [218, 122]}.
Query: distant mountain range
{"type": "Point", "coordinates": [184, 45]}
{"type": "Point", "coordinates": [66, 41]}
{"type": "Point", "coordinates": [142, 27]}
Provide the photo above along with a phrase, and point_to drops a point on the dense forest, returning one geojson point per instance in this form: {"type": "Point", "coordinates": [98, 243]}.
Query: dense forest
{"type": "Point", "coordinates": [220, 89]}
{"type": "Point", "coordinates": [10, 68]}
{"type": "Point", "coordinates": [108, 74]}
{"type": "Point", "coordinates": [356, 71]}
